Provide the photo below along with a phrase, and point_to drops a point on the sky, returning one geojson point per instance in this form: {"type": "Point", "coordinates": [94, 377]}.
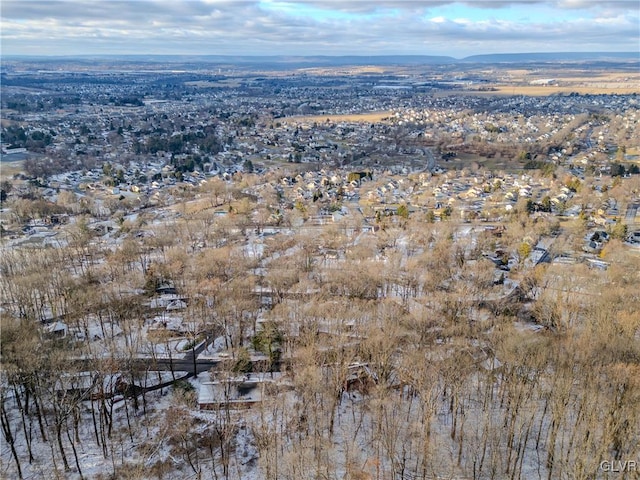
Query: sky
{"type": "Point", "coordinates": [317, 27]}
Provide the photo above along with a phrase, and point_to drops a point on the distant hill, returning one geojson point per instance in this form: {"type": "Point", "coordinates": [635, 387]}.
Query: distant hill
{"type": "Point", "coordinates": [370, 60]}
{"type": "Point", "coordinates": [552, 57]}
{"type": "Point", "coordinates": [285, 60]}
{"type": "Point", "coordinates": [302, 61]}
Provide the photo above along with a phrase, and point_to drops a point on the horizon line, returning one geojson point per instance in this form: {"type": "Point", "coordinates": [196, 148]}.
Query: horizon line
{"type": "Point", "coordinates": [76, 55]}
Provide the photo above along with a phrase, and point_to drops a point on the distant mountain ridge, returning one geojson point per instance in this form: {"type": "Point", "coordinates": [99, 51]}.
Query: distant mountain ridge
{"type": "Point", "coordinates": [551, 57]}
{"type": "Point", "coordinates": [287, 60]}
{"type": "Point", "coordinates": [346, 60]}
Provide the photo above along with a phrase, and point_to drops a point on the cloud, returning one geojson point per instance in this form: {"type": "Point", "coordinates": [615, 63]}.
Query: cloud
{"type": "Point", "coordinates": [138, 9]}
{"type": "Point", "coordinates": [368, 6]}
{"type": "Point", "coordinates": [630, 5]}
{"type": "Point", "coordinates": [66, 27]}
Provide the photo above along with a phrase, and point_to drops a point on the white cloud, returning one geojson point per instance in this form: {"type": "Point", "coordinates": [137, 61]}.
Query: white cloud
{"type": "Point", "coordinates": [56, 27]}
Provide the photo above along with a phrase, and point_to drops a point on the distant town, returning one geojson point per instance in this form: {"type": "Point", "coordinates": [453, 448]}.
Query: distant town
{"type": "Point", "coordinates": [228, 242]}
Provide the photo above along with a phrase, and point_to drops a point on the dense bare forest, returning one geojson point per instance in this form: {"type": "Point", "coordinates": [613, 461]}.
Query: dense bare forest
{"type": "Point", "coordinates": [392, 353]}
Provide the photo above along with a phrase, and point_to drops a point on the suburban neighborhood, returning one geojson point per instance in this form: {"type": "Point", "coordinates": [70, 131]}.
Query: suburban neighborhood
{"type": "Point", "coordinates": [363, 269]}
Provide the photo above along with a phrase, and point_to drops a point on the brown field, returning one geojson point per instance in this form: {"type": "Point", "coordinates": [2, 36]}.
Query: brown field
{"type": "Point", "coordinates": [9, 169]}
{"type": "Point", "coordinates": [633, 150]}
{"type": "Point", "coordinates": [355, 118]}
{"type": "Point", "coordinates": [5, 122]}
{"type": "Point", "coordinates": [576, 75]}
{"type": "Point", "coordinates": [345, 70]}
{"type": "Point", "coordinates": [616, 77]}
{"type": "Point", "coordinates": [466, 160]}
{"type": "Point", "coordinates": [541, 90]}
{"type": "Point", "coordinates": [229, 83]}
{"type": "Point", "coordinates": [579, 81]}
{"type": "Point", "coordinates": [192, 207]}
{"type": "Point", "coordinates": [518, 72]}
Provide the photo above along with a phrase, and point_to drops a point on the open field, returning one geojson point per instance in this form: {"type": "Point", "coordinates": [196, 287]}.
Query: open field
{"type": "Point", "coordinates": [574, 75]}
{"type": "Point", "coordinates": [633, 150]}
{"type": "Point", "coordinates": [5, 122]}
{"type": "Point", "coordinates": [597, 88]}
{"type": "Point", "coordinates": [9, 169]}
{"type": "Point", "coordinates": [578, 81]}
{"type": "Point", "coordinates": [614, 77]}
{"type": "Point", "coordinates": [466, 160]}
{"type": "Point", "coordinates": [227, 83]}
{"type": "Point", "coordinates": [353, 70]}
{"type": "Point", "coordinates": [355, 117]}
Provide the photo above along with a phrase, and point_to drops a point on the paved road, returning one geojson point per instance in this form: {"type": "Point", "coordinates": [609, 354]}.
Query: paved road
{"type": "Point", "coordinates": [182, 363]}
{"type": "Point", "coordinates": [185, 364]}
